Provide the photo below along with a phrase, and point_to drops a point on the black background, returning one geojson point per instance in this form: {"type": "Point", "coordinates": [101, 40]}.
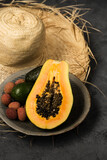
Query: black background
{"type": "Point", "coordinates": [89, 140]}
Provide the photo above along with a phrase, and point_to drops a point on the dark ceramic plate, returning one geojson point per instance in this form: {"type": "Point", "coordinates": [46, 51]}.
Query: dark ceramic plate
{"type": "Point", "coordinates": [78, 113]}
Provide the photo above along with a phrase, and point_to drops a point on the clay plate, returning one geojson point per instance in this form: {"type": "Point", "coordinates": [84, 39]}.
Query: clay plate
{"type": "Point", "coordinates": [78, 113]}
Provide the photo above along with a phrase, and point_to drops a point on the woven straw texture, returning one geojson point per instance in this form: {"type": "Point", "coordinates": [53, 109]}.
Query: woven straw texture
{"type": "Point", "coordinates": [64, 40]}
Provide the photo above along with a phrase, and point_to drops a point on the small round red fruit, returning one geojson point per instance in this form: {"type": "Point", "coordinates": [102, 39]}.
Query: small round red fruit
{"type": "Point", "coordinates": [21, 114]}
{"type": "Point", "coordinates": [14, 105]}
{"type": "Point", "coordinates": [19, 81]}
{"type": "Point", "coordinates": [11, 113]}
{"type": "Point", "coordinates": [6, 99]}
{"type": "Point", "coordinates": [8, 87]}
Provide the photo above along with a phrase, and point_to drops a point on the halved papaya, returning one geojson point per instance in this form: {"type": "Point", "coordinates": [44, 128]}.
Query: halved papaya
{"type": "Point", "coordinates": [50, 101]}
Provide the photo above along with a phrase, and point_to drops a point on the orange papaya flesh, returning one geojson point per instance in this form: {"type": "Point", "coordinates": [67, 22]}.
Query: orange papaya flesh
{"type": "Point", "coordinates": [43, 112]}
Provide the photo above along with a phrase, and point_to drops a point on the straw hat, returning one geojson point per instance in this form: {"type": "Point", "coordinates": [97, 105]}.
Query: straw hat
{"type": "Point", "coordinates": [63, 40]}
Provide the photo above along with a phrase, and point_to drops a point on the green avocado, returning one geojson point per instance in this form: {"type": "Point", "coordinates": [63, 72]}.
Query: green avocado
{"type": "Point", "coordinates": [32, 75]}
{"type": "Point", "coordinates": [21, 91]}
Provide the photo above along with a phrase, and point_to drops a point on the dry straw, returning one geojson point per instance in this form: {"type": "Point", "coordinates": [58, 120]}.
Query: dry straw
{"type": "Point", "coordinates": [64, 39]}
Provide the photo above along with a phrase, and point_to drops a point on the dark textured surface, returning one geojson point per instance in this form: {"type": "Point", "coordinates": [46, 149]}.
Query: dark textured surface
{"type": "Point", "coordinates": [89, 140]}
